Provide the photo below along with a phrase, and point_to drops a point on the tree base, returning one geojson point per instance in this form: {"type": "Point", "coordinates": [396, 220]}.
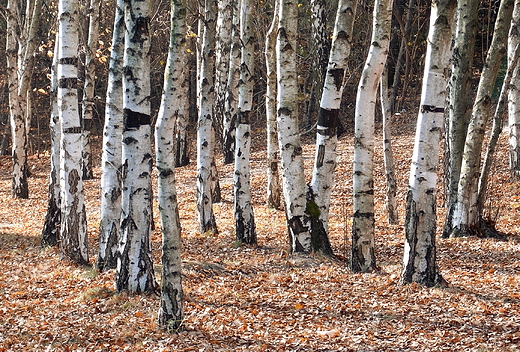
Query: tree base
{"type": "Point", "coordinates": [482, 229]}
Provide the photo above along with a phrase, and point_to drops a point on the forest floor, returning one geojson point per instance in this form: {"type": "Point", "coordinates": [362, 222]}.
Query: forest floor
{"type": "Point", "coordinates": [260, 298]}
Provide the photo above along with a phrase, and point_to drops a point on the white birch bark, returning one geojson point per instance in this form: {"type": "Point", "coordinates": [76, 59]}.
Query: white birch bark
{"type": "Point", "coordinates": [514, 97]}
{"type": "Point", "coordinates": [244, 217]}
{"type": "Point", "coordinates": [231, 94]}
{"type": "Point", "coordinates": [459, 99]}
{"type": "Point", "coordinates": [419, 260]}
{"type": "Point", "coordinates": [327, 135]}
{"type": "Point", "coordinates": [134, 264]}
{"type": "Point", "coordinates": [273, 178]}
{"type": "Point", "coordinates": [363, 247]}
{"type": "Point", "coordinates": [205, 139]}
{"type": "Point", "coordinates": [21, 40]}
{"type": "Point", "coordinates": [89, 85]}
{"type": "Point", "coordinates": [73, 231]}
{"type": "Point", "coordinates": [388, 154]}
{"type": "Point", "coordinates": [111, 157]}
{"type": "Point", "coordinates": [466, 217]}
{"type": "Point", "coordinates": [172, 104]}
{"type": "Point", "coordinates": [51, 226]}
{"type": "Point", "coordinates": [293, 180]}
{"type": "Point", "coordinates": [224, 28]}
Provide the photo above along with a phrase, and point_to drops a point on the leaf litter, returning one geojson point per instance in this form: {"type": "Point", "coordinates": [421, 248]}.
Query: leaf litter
{"type": "Point", "coordinates": [243, 298]}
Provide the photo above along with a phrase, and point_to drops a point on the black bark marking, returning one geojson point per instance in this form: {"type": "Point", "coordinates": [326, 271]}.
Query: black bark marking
{"type": "Point", "coordinates": [330, 120]}
{"type": "Point", "coordinates": [68, 83]}
{"type": "Point", "coordinates": [134, 120]}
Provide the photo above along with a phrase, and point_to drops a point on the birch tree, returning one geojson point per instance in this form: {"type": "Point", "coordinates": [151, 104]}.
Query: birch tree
{"type": "Point", "coordinates": [328, 119]}
{"type": "Point", "coordinates": [420, 257]}
{"type": "Point", "coordinates": [134, 264]}
{"type": "Point", "coordinates": [111, 157]}
{"type": "Point", "coordinates": [21, 40]}
{"type": "Point", "coordinates": [73, 231]}
{"type": "Point", "coordinates": [459, 104]}
{"type": "Point", "coordinates": [466, 217]}
{"type": "Point", "coordinates": [293, 179]}
{"type": "Point", "coordinates": [231, 91]}
{"type": "Point", "coordinates": [514, 96]}
{"type": "Point", "coordinates": [273, 183]}
{"type": "Point", "coordinates": [363, 248]}
{"type": "Point", "coordinates": [205, 138]}
{"type": "Point", "coordinates": [52, 223]}
{"type": "Point", "coordinates": [89, 85]}
{"type": "Point", "coordinates": [174, 94]}
{"type": "Point", "coordinates": [244, 217]}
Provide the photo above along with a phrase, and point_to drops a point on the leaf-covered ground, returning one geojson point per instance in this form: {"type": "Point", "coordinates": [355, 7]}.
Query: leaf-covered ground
{"type": "Point", "coordinates": [260, 298]}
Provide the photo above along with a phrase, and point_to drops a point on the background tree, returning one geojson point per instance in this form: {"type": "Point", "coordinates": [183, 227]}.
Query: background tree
{"type": "Point", "coordinates": [273, 182]}
{"type": "Point", "coordinates": [22, 28]}
{"type": "Point", "coordinates": [363, 251]}
{"type": "Point", "coordinates": [514, 96]}
{"type": "Point", "coordinates": [459, 100]}
{"type": "Point", "coordinates": [135, 265]}
{"type": "Point", "coordinates": [466, 217]}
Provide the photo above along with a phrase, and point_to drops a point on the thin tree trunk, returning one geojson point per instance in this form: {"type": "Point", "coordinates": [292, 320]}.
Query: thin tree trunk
{"type": "Point", "coordinates": [135, 264]}
{"type": "Point", "coordinates": [465, 217]}
{"type": "Point", "coordinates": [89, 86]}
{"type": "Point", "coordinates": [459, 95]}
{"type": "Point", "coordinates": [420, 256]}
{"type": "Point", "coordinates": [231, 93]}
{"type": "Point", "coordinates": [498, 123]}
{"type": "Point", "coordinates": [111, 158]}
{"type": "Point", "coordinates": [388, 154]}
{"type": "Point", "coordinates": [244, 217]}
{"type": "Point", "coordinates": [51, 226]}
{"type": "Point", "coordinates": [73, 232]}
{"type": "Point", "coordinates": [205, 139]}
{"type": "Point", "coordinates": [172, 104]}
{"type": "Point", "coordinates": [328, 120]}
{"type": "Point", "coordinates": [514, 97]}
{"type": "Point", "coordinates": [363, 246]}
{"type": "Point", "coordinates": [273, 178]}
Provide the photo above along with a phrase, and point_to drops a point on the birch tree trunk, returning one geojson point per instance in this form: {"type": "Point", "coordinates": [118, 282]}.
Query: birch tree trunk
{"type": "Point", "coordinates": [205, 139]}
{"type": "Point", "coordinates": [90, 82]}
{"type": "Point", "coordinates": [420, 257]}
{"type": "Point", "coordinates": [514, 97]}
{"type": "Point", "coordinates": [465, 217]}
{"type": "Point", "coordinates": [498, 124]}
{"type": "Point", "coordinates": [388, 154]}
{"type": "Point", "coordinates": [244, 217]}
{"type": "Point", "coordinates": [327, 135]}
{"type": "Point", "coordinates": [293, 178]}
{"type": "Point", "coordinates": [363, 248]}
{"type": "Point", "coordinates": [172, 104]}
{"type": "Point", "coordinates": [21, 40]}
{"type": "Point", "coordinates": [273, 178]}
{"type": "Point", "coordinates": [111, 158]}
{"type": "Point", "coordinates": [224, 28]}
{"type": "Point", "coordinates": [459, 104]}
{"type": "Point", "coordinates": [51, 226]}
{"type": "Point", "coordinates": [73, 231]}
{"type": "Point", "coordinates": [231, 93]}
{"type": "Point", "coordinates": [134, 264]}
